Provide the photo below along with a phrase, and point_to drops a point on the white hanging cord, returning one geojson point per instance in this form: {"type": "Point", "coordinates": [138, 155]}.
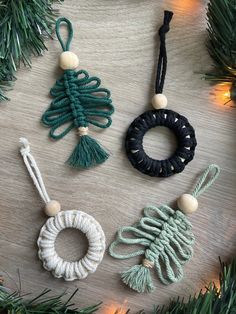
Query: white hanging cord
{"type": "Point", "coordinates": [33, 169]}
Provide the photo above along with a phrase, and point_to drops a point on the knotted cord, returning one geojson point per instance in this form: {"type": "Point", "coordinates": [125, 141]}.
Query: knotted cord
{"type": "Point", "coordinates": [166, 238]}
{"type": "Point", "coordinates": [161, 116]}
{"type": "Point", "coordinates": [162, 61]}
{"type": "Point", "coordinates": [78, 101]}
{"type": "Point", "coordinates": [54, 225]}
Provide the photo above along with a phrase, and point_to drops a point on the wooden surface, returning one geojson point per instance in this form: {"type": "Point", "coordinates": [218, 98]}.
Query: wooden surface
{"type": "Point", "coordinates": [117, 40]}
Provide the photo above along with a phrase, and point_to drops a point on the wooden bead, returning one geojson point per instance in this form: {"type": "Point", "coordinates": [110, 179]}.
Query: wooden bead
{"type": "Point", "coordinates": [68, 60]}
{"type": "Point", "coordinates": [187, 203]}
{"type": "Point", "coordinates": [83, 130]}
{"type": "Point", "coordinates": [159, 101]}
{"type": "Point", "coordinates": [52, 208]}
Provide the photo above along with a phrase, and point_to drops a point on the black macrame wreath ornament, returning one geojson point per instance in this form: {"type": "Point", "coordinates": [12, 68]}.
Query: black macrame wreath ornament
{"type": "Point", "coordinates": [78, 101]}
{"type": "Point", "coordinates": [177, 123]}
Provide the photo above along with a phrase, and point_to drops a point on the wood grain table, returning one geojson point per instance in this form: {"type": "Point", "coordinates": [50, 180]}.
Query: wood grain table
{"type": "Point", "coordinates": [117, 41]}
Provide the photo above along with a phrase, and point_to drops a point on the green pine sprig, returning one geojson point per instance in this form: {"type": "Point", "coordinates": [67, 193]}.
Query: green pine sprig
{"type": "Point", "coordinates": [221, 44]}
{"type": "Point", "coordinates": [24, 26]}
{"type": "Point", "coordinates": [14, 303]}
{"type": "Point", "coordinates": [214, 300]}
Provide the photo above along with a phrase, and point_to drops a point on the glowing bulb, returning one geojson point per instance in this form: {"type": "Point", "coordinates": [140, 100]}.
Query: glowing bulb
{"type": "Point", "coordinates": [227, 94]}
{"type": "Point", "coordinates": [116, 308]}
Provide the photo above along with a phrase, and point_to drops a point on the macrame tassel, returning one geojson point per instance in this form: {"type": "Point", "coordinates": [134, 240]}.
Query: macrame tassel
{"type": "Point", "coordinates": [87, 153]}
{"type": "Point", "coordinates": [138, 277]}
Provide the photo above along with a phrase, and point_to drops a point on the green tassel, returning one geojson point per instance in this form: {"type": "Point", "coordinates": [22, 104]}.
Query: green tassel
{"type": "Point", "coordinates": [138, 278]}
{"type": "Point", "coordinates": [87, 153]}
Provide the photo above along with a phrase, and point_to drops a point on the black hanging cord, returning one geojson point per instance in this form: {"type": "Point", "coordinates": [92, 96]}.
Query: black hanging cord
{"type": "Point", "coordinates": [162, 61]}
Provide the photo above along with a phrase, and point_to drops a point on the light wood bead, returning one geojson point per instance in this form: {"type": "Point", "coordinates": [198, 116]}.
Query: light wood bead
{"type": "Point", "coordinates": [159, 101]}
{"type": "Point", "coordinates": [187, 203]}
{"type": "Point", "coordinates": [83, 130]}
{"type": "Point", "coordinates": [68, 60]}
{"type": "Point", "coordinates": [52, 208]}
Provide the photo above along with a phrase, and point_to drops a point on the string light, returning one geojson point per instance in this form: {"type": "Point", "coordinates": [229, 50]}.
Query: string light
{"type": "Point", "coordinates": [116, 308]}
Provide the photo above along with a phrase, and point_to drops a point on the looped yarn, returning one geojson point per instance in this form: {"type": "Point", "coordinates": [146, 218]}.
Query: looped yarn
{"type": "Point", "coordinates": [160, 168]}
{"type": "Point", "coordinates": [65, 46]}
{"type": "Point", "coordinates": [33, 169]}
{"type": "Point", "coordinates": [60, 221]}
{"type": "Point", "coordinates": [206, 180]}
{"type": "Point", "coordinates": [162, 61]}
{"type": "Point", "coordinates": [75, 101]}
{"type": "Point", "coordinates": [166, 238]}
{"type": "Point", "coordinates": [78, 101]}
{"type": "Point", "coordinates": [161, 117]}
{"type": "Point", "coordinates": [53, 262]}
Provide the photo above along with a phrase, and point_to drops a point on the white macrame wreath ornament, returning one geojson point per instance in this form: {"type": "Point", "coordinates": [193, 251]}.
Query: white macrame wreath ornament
{"type": "Point", "coordinates": [59, 221]}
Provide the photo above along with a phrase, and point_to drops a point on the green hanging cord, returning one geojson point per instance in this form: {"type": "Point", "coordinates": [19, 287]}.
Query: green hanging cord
{"type": "Point", "coordinates": [188, 203]}
{"type": "Point", "coordinates": [166, 239]}
{"type": "Point", "coordinates": [78, 102]}
{"type": "Point", "coordinates": [203, 184]}
{"type": "Point", "coordinates": [65, 47]}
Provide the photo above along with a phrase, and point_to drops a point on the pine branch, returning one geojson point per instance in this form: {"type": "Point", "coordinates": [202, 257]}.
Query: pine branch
{"type": "Point", "coordinates": [24, 26]}
{"type": "Point", "coordinates": [14, 303]}
{"type": "Point", "coordinates": [213, 301]}
{"type": "Point", "coordinates": [221, 28]}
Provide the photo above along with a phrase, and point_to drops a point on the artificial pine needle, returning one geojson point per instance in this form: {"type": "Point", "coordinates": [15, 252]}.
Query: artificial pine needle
{"type": "Point", "coordinates": [24, 26]}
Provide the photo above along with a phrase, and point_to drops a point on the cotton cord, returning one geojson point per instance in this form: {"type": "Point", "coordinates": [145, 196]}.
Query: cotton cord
{"type": "Point", "coordinates": [33, 169]}
{"type": "Point", "coordinates": [64, 46]}
{"type": "Point", "coordinates": [78, 106]}
{"type": "Point", "coordinates": [183, 131]}
{"type": "Point", "coordinates": [166, 238]}
{"type": "Point", "coordinates": [96, 245]}
{"type": "Point", "coordinates": [54, 225]}
{"type": "Point", "coordinates": [177, 123]}
{"type": "Point", "coordinates": [206, 180]}
{"type": "Point", "coordinates": [162, 61]}
{"type": "Point", "coordinates": [78, 102]}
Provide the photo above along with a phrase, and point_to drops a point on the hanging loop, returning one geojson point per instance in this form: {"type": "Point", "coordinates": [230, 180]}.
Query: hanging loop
{"type": "Point", "coordinates": [206, 180]}
{"type": "Point", "coordinates": [33, 169]}
{"type": "Point", "coordinates": [65, 46]}
{"type": "Point", "coordinates": [162, 61]}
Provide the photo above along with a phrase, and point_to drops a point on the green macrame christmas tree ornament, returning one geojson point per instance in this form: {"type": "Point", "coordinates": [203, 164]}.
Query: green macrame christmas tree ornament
{"type": "Point", "coordinates": [24, 26]}
{"type": "Point", "coordinates": [78, 100]}
{"type": "Point", "coordinates": [166, 237]}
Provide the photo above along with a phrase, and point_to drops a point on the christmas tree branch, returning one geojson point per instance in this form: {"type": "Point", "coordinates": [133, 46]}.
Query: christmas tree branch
{"type": "Point", "coordinates": [24, 26]}
{"type": "Point", "coordinates": [15, 303]}
{"type": "Point", "coordinates": [221, 27]}
{"type": "Point", "coordinates": [214, 300]}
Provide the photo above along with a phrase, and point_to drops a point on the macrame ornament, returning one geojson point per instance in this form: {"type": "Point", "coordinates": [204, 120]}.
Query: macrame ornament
{"type": "Point", "coordinates": [166, 239]}
{"type": "Point", "coordinates": [78, 101]}
{"type": "Point", "coordinates": [177, 123]}
{"type": "Point", "coordinates": [59, 221]}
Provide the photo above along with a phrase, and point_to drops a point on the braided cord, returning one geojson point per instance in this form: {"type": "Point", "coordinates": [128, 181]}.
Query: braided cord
{"type": "Point", "coordinates": [78, 100]}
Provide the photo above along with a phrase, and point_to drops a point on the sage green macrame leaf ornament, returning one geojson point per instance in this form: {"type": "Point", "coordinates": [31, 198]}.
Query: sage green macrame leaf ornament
{"type": "Point", "coordinates": [166, 240]}
{"type": "Point", "coordinates": [78, 102]}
